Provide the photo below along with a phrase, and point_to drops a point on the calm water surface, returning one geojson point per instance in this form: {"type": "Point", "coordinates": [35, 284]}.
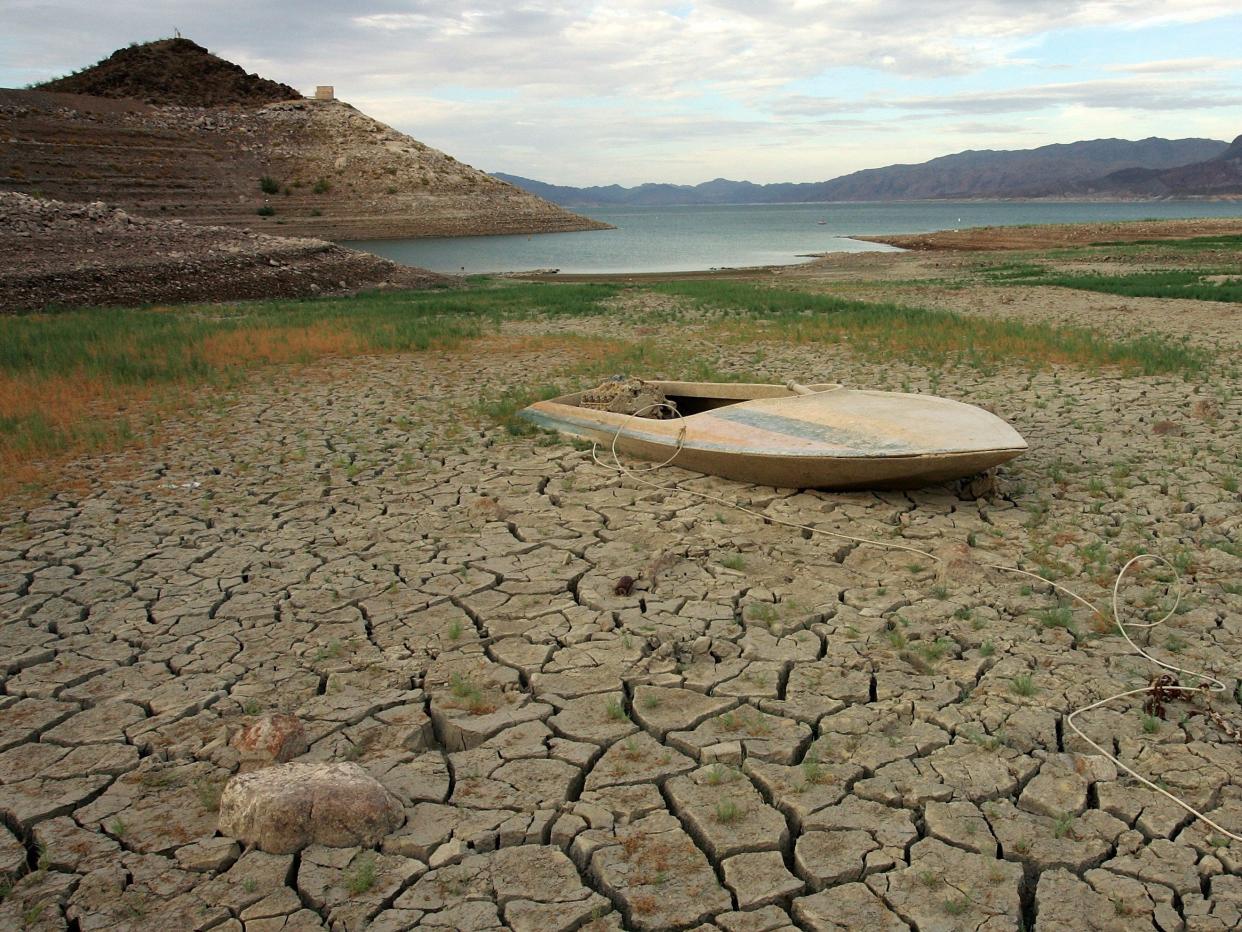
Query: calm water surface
{"type": "Point", "coordinates": [674, 239]}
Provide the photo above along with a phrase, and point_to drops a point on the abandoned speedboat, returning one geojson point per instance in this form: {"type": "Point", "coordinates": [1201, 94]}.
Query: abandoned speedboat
{"type": "Point", "coordinates": [821, 436]}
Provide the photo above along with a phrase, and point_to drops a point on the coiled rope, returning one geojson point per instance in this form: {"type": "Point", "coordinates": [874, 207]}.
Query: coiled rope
{"type": "Point", "coordinates": [1212, 683]}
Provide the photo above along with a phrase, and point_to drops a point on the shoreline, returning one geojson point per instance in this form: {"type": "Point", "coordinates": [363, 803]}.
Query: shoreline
{"type": "Point", "coordinates": [972, 239]}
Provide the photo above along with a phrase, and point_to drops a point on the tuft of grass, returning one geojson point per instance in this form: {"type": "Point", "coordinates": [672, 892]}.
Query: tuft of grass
{"type": "Point", "coordinates": [1060, 617]}
{"type": "Point", "coordinates": [956, 906]}
{"type": "Point", "coordinates": [1063, 823]}
{"type": "Point", "coordinates": [208, 793]}
{"type": "Point", "coordinates": [1022, 685]}
{"type": "Point", "coordinates": [615, 710]}
{"type": "Point", "coordinates": [727, 811]}
{"type": "Point", "coordinates": [269, 185]}
{"type": "Point", "coordinates": [718, 774]}
{"type": "Point", "coordinates": [362, 877]}
{"type": "Point", "coordinates": [763, 612]}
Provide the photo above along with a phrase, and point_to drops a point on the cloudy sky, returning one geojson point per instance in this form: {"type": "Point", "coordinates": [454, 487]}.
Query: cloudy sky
{"type": "Point", "coordinates": [645, 90]}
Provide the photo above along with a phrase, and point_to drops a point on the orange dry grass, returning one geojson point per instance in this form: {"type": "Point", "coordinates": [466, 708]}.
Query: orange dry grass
{"type": "Point", "coordinates": [58, 410]}
{"type": "Point", "coordinates": [68, 416]}
{"type": "Point", "coordinates": [267, 345]}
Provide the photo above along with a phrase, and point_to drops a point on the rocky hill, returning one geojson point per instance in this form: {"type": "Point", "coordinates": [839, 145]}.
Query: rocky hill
{"type": "Point", "coordinates": [288, 166]}
{"type": "Point", "coordinates": [76, 255]}
{"type": "Point", "coordinates": [1048, 171]}
{"type": "Point", "coordinates": [172, 71]}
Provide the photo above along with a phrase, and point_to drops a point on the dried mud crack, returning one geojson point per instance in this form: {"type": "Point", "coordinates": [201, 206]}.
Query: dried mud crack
{"type": "Point", "coordinates": [761, 731]}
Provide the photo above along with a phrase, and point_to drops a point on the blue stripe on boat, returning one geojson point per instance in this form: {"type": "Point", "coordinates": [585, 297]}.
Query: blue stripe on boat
{"type": "Point", "coordinates": [843, 442]}
{"type": "Point", "coordinates": [563, 421]}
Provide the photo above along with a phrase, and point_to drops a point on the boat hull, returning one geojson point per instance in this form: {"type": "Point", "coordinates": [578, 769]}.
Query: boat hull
{"type": "Point", "coordinates": [828, 438]}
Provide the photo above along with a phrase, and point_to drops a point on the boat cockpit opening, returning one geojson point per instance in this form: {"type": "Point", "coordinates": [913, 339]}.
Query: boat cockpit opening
{"type": "Point", "coordinates": [689, 404]}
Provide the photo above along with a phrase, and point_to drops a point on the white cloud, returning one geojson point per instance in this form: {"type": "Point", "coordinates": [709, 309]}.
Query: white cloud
{"type": "Point", "coordinates": [631, 90]}
{"type": "Point", "coordinates": [1177, 66]}
{"type": "Point", "coordinates": [1135, 94]}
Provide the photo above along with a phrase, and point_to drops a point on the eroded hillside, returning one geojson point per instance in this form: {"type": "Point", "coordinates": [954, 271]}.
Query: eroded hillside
{"type": "Point", "coordinates": [291, 167]}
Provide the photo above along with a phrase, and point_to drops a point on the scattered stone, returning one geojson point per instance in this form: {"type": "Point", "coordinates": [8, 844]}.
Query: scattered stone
{"type": "Point", "coordinates": [270, 739]}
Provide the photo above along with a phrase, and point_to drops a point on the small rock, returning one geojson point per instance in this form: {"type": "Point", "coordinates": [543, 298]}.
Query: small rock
{"type": "Point", "coordinates": [270, 739]}
{"type": "Point", "coordinates": [448, 853]}
{"type": "Point", "coordinates": [209, 855]}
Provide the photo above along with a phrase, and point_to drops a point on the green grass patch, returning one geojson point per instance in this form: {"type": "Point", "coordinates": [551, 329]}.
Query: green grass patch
{"type": "Point", "coordinates": [888, 331]}
{"type": "Point", "coordinates": [1197, 284]}
{"type": "Point", "coordinates": [1193, 244]}
{"type": "Point", "coordinates": [1010, 271]}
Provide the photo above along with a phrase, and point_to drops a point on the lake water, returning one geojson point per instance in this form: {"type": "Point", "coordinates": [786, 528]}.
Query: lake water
{"type": "Point", "coordinates": [674, 239]}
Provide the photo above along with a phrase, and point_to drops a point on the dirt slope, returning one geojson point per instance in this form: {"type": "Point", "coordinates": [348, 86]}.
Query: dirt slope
{"type": "Point", "coordinates": [54, 254]}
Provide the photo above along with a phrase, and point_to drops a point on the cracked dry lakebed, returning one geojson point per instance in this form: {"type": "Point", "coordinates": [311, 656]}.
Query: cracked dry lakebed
{"type": "Point", "coordinates": [346, 565]}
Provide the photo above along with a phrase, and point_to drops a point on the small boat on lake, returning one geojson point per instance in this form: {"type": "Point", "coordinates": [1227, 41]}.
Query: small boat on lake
{"type": "Point", "coordinates": [792, 436]}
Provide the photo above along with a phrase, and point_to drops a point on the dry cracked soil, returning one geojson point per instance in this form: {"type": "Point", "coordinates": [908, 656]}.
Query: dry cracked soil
{"type": "Point", "coordinates": [770, 730]}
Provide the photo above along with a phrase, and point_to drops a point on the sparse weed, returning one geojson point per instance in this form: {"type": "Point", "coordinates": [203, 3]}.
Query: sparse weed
{"type": "Point", "coordinates": [956, 906]}
{"type": "Point", "coordinates": [1022, 685]}
{"type": "Point", "coordinates": [1063, 823]}
{"type": "Point", "coordinates": [362, 877]}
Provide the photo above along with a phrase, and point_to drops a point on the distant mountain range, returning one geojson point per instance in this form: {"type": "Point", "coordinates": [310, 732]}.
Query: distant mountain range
{"type": "Point", "coordinates": [1151, 167]}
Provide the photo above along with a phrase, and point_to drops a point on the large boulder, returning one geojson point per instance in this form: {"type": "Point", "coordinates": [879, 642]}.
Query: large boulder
{"type": "Point", "coordinates": [284, 808]}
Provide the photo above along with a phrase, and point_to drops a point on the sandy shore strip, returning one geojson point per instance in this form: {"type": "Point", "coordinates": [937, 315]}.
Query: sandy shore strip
{"type": "Point", "coordinates": [1053, 236]}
